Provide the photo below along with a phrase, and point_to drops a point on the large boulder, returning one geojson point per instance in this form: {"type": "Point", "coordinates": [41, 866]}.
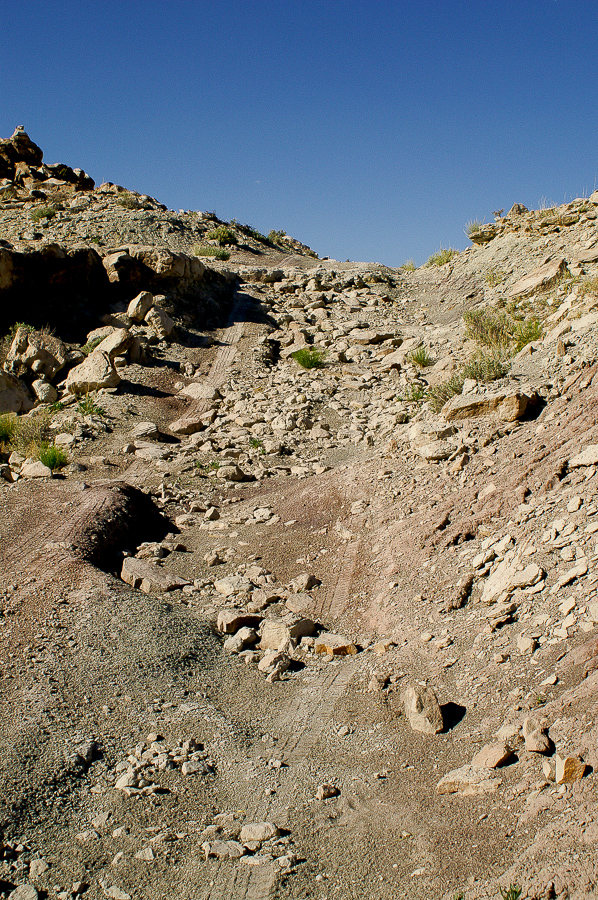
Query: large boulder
{"type": "Point", "coordinates": [97, 371]}
{"type": "Point", "coordinates": [507, 405]}
{"type": "Point", "coordinates": [33, 351]}
{"type": "Point", "coordinates": [14, 396]}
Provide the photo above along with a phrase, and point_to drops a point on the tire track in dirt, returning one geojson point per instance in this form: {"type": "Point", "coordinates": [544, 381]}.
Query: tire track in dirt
{"type": "Point", "coordinates": [230, 337]}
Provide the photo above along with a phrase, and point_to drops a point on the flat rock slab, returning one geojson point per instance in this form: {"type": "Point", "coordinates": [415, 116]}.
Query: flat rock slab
{"type": "Point", "coordinates": [334, 645]}
{"type": "Point", "coordinates": [469, 780]}
{"type": "Point", "coordinates": [540, 277]}
{"type": "Point", "coordinates": [148, 578]}
{"type": "Point", "coordinates": [508, 406]}
{"type": "Point", "coordinates": [569, 770]}
{"type": "Point", "coordinates": [587, 457]}
{"type": "Point", "coordinates": [231, 620]}
{"type": "Point", "coordinates": [199, 390]}
{"type": "Point", "coordinates": [492, 755]}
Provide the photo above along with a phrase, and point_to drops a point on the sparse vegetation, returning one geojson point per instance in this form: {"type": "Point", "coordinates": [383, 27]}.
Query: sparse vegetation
{"type": "Point", "coordinates": [525, 332]}
{"type": "Point", "coordinates": [420, 357]}
{"type": "Point", "coordinates": [440, 394]}
{"type": "Point", "coordinates": [414, 393]}
{"type": "Point", "coordinates": [255, 443]}
{"type": "Point", "coordinates": [494, 277]}
{"type": "Point", "coordinates": [30, 433]}
{"type": "Point", "coordinates": [127, 201]}
{"type": "Point", "coordinates": [472, 227]}
{"type": "Point", "coordinates": [588, 286]}
{"type": "Point", "coordinates": [52, 456]}
{"type": "Point", "coordinates": [91, 345]}
{"type": "Point", "coordinates": [88, 407]}
{"type": "Point", "coordinates": [250, 231]}
{"type": "Point", "coordinates": [513, 892]}
{"type": "Point", "coordinates": [224, 235]}
{"type": "Point", "coordinates": [486, 367]}
{"type": "Point", "coordinates": [408, 266]}
{"type": "Point", "coordinates": [443, 256]}
{"type": "Point", "coordinates": [310, 359]}
{"type": "Point", "coordinates": [8, 426]}
{"type": "Point", "coordinates": [45, 212]}
{"type": "Point", "coordinates": [276, 237]}
{"type": "Point", "coordinates": [215, 252]}
{"type": "Point", "coordinates": [499, 330]}
{"type": "Point", "coordinates": [488, 327]}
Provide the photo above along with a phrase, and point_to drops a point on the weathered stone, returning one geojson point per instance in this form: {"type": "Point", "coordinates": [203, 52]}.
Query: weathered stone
{"type": "Point", "coordinates": [587, 457]}
{"type": "Point", "coordinates": [274, 661]}
{"type": "Point", "coordinates": [223, 849]}
{"type": "Point", "coordinates": [435, 451]}
{"type": "Point", "coordinates": [231, 473]}
{"type": "Point", "coordinates": [258, 831]}
{"type": "Point", "coordinates": [37, 352]}
{"type": "Point", "coordinates": [492, 755]}
{"type": "Point", "coordinates": [506, 578]}
{"type": "Point", "coordinates": [160, 322]}
{"type": "Point", "coordinates": [334, 645]}
{"type": "Point", "coordinates": [276, 634]}
{"type": "Point", "coordinates": [142, 575]}
{"type": "Point", "coordinates": [469, 780]}
{"type": "Point", "coordinates": [230, 620]}
{"type": "Point", "coordinates": [145, 431]}
{"type": "Point", "coordinates": [232, 584]}
{"type": "Point", "coordinates": [541, 277]}
{"type": "Point", "coordinates": [44, 391]}
{"type": "Point", "coordinates": [35, 469]}
{"type": "Point", "coordinates": [190, 424]}
{"type": "Point", "coordinates": [327, 791]}
{"type": "Point", "coordinates": [96, 372]}
{"type": "Point", "coordinates": [140, 306]}
{"type": "Point", "coordinates": [200, 390]}
{"type": "Point", "coordinates": [423, 710]}
{"type": "Point", "coordinates": [569, 770]}
{"type": "Point", "coordinates": [115, 344]}
{"type": "Point", "coordinates": [536, 737]}
{"type": "Point", "coordinates": [507, 405]}
{"type": "Point", "coordinates": [24, 892]}
{"type": "Point", "coordinates": [245, 637]}
{"type": "Point", "coordinates": [14, 395]}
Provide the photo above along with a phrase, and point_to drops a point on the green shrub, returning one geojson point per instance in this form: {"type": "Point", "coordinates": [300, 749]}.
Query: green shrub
{"type": "Point", "coordinates": [223, 235]}
{"type": "Point", "coordinates": [486, 367]}
{"type": "Point", "coordinates": [414, 393]}
{"type": "Point", "coordinates": [486, 326]}
{"type": "Point", "coordinates": [420, 358]}
{"type": "Point", "coordinates": [88, 407]}
{"type": "Point", "coordinates": [31, 432]}
{"type": "Point", "coordinates": [45, 212]}
{"type": "Point", "coordinates": [442, 393]}
{"type": "Point", "coordinates": [310, 359]}
{"type": "Point", "coordinates": [525, 332]}
{"type": "Point", "coordinates": [8, 427]}
{"type": "Point", "coordinates": [216, 252]}
{"type": "Point", "coordinates": [250, 231]}
{"type": "Point", "coordinates": [91, 345]}
{"type": "Point", "coordinates": [513, 892]}
{"type": "Point", "coordinates": [472, 227]}
{"type": "Point", "coordinates": [276, 237]}
{"type": "Point", "coordinates": [408, 266]}
{"type": "Point", "coordinates": [443, 256]}
{"type": "Point", "coordinates": [52, 456]}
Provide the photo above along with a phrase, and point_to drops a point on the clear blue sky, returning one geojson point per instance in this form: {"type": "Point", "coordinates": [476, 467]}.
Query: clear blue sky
{"type": "Point", "coordinates": [370, 130]}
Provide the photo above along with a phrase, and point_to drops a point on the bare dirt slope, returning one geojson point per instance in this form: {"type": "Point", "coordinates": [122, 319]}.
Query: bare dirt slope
{"type": "Point", "coordinates": [213, 613]}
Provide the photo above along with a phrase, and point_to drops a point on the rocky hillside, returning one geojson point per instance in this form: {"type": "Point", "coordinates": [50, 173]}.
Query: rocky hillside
{"type": "Point", "coordinates": [300, 588]}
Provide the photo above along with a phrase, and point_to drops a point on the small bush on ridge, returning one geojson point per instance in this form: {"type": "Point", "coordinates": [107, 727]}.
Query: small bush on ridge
{"type": "Point", "coordinates": [442, 257]}
{"type": "Point", "coordinates": [216, 252]}
{"type": "Point", "coordinates": [223, 235]}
